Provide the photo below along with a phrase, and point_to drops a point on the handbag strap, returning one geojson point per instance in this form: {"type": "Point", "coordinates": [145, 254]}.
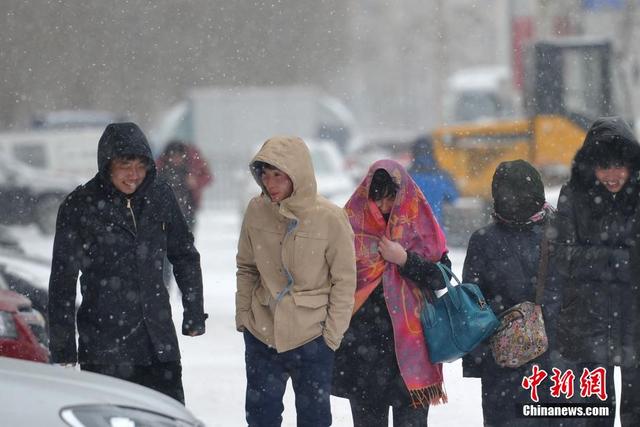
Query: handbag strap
{"type": "Point", "coordinates": [542, 265]}
{"type": "Point", "coordinates": [451, 290]}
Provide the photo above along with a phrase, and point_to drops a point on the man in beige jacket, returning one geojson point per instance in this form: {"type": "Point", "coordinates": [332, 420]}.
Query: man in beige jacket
{"type": "Point", "coordinates": [296, 280]}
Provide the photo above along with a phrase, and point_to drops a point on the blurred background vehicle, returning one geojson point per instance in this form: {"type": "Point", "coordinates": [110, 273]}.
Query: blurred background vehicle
{"type": "Point", "coordinates": [26, 274]}
{"type": "Point", "coordinates": [382, 144]}
{"type": "Point", "coordinates": [224, 123]}
{"type": "Point", "coordinates": [568, 83]}
{"type": "Point", "coordinates": [329, 165]}
{"type": "Point", "coordinates": [22, 328]}
{"type": "Point", "coordinates": [34, 394]}
{"type": "Point", "coordinates": [29, 195]}
{"type": "Point", "coordinates": [58, 152]}
{"type": "Point", "coordinates": [480, 93]}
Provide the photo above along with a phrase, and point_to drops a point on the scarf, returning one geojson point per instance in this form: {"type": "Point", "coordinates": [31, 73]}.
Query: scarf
{"type": "Point", "coordinates": [413, 225]}
{"type": "Point", "coordinates": [546, 210]}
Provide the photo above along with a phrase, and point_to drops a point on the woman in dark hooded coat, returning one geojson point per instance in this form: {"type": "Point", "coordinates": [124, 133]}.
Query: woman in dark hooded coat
{"type": "Point", "coordinates": [597, 232]}
{"type": "Point", "coordinates": [503, 259]}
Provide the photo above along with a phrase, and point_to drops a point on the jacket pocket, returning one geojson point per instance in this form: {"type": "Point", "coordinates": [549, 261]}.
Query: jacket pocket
{"type": "Point", "coordinates": [310, 268]}
{"type": "Point", "coordinates": [310, 299]}
{"type": "Point", "coordinates": [309, 315]}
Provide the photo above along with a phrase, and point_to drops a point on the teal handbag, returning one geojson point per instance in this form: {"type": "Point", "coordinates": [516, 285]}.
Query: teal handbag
{"type": "Point", "coordinates": [456, 322]}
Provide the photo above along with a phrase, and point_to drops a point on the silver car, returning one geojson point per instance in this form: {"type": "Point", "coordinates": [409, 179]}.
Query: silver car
{"type": "Point", "coordinates": [36, 394]}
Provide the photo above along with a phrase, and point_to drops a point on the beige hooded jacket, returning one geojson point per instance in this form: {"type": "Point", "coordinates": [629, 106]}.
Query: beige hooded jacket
{"type": "Point", "coordinates": [304, 241]}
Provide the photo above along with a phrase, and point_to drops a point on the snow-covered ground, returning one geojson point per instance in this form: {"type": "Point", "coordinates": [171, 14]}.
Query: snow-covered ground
{"type": "Point", "coordinates": [213, 364]}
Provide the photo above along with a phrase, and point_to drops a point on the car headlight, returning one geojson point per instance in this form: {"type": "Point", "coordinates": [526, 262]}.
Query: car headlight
{"type": "Point", "coordinates": [7, 326]}
{"type": "Point", "coordinates": [118, 416]}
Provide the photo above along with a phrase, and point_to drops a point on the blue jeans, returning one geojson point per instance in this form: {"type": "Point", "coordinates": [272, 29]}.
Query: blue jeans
{"type": "Point", "coordinates": [310, 368]}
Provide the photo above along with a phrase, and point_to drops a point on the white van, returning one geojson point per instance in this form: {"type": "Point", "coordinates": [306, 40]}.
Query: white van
{"type": "Point", "coordinates": [59, 152]}
{"type": "Point", "coordinates": [39, 168]}
{"type": "Point", "coordinates": [226, 122]}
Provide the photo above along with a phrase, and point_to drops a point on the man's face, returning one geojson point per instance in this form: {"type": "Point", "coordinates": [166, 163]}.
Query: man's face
{"type": "Point", "coordinates": [278, 184]}
{"type": "Point", "coordinates": [127, 175]}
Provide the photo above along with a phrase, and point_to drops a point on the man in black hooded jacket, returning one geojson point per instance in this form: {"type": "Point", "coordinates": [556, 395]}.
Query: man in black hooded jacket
{"type": "Point", "coordinates": [116, 230]}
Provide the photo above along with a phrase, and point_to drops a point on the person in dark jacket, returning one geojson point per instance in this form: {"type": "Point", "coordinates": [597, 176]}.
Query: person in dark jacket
{"type": "Point", "coordinates": [503, 260]}
{"type": "Point", "coordinates": [435, 183]}
{"type": "Point", "coordinates": [383, 360]}
{"type": "Point", "coordinates": [598, 322]}
{"type": "Point", "coordinates": [115, 230]}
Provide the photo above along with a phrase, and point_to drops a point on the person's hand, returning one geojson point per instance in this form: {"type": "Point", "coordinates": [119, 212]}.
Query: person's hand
{"type": "Point", "coordinates": [392, 251]}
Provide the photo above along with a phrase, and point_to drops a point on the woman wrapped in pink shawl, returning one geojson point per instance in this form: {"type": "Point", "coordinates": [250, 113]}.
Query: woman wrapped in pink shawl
{"type": "Point", "coordinates": [383, 360]}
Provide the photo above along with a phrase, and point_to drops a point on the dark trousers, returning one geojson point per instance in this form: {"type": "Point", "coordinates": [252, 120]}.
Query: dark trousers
{"type": "Point", "coordinates": [376, 414]}
{"type": "Point", "coordinates": [310, 368]}
{"type": "Point", "coordinates": [629, 399]}
{"type": "Point", "coordinates": [503, 396]}
{"type": "Point", "coordinates": [593, 400]}
{"type": "Point", "coordinates": [163, 377]}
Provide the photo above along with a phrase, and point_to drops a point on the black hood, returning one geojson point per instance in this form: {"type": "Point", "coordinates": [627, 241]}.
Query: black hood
{"type": "Point", "coordinates": [124, 139]}
{"type": "Point", "coordinates": [517, 190]}
{"type": "Point", "coordinates": [609, 141]}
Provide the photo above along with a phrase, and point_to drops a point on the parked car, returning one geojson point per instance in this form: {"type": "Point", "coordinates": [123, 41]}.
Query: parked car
{"type": "Point", "coordinates": [54, 152]}
{"type": "Point", "coordinates": [30, 195]}
{"type": "Point", "coordinates": [332, 178]}
{"type": "Point", "coordinates": [22, 329]}
{"type": "Point", "coordinates": [35, 394]}
{"type": "Point", "coordinates": [26, 273]}
{"type": "Point", "coordinates": [18, 280]}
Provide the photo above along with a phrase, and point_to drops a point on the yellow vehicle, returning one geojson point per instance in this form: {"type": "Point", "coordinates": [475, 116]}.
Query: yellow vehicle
{"type": "Point", "coordinates": [568, 84]}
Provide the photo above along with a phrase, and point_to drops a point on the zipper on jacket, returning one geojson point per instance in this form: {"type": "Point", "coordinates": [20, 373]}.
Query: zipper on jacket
{"type": "Point", "coordinates": [135, 226]}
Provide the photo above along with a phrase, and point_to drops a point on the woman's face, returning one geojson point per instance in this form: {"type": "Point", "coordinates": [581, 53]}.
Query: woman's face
{"type": "Point", "coordinates": [385, 204]}
{"type": "Point", "coordinates": [613, 177]}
